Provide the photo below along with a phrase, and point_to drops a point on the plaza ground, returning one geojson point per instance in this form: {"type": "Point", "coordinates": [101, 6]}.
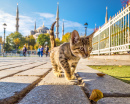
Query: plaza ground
{"type": "Point", "coordinates": [30, 80]}
{"type": "Point", "coordinates": [116, 71]}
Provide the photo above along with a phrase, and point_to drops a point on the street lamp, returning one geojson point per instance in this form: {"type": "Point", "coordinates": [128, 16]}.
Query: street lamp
{"type": "Point", "coordinates": [4, 26]}
{"type": "Point", "coordinates": [86, 24]}
{"type": "Point", "coordinates": [46, 43]}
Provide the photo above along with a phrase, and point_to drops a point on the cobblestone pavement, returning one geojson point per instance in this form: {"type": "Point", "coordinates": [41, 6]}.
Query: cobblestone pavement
{"type": "Point", "coordinates": [114, 90]}
{"type": "Point", "coordinates": [30, 80]}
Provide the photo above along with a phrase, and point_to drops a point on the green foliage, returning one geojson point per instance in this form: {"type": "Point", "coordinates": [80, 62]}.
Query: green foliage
{"type": "Point", "coordinates": [8, 47]}
{"type": "Point", "coordinates": [42, 38]}
{"type": "Point", "coordinates": [36, 46]}
{"type": "Point", "coordinates": [119, 72]}
{"type": "Point", "coordinates": [66, 37]}
{"type": "Point", "coordinates": [16, 41]}
{"type": "Point", "coordinates": [13, 36]}
{"type": "Point", "coordinates": [30, 40]}
{"type": "Point", "coordinates": [58, 42]}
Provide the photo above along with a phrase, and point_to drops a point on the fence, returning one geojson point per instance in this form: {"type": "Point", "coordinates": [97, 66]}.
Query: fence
{"type": "Point", "coordinates": [114, 36]}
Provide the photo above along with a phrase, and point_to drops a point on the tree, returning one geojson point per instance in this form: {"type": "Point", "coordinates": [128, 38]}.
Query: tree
{"type": "Point", "coordinates": [66, 37]}
{"type": "Point", "coordinates": [8, 47]}
{"type": "Point", "coordinates": [42, 38]}
{"type": "Point", "coordinates": [58, 42]}
{"type": "Point", "coordinates": [30, 40]}
{"type": "Point", "coordinates": [36, 46]}
{"type": "Point", "coordinates": [14, 36]}
{"type": "Point", "coordinates": [16, 42]}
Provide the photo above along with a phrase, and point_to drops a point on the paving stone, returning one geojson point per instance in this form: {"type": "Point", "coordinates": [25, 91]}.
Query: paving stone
{"type": "Point", "coordinates": [33, 72]}
{"type": "Point", "coordinates": [114, 100]}
{"type": "Point", "coordinates": [21, 68]}
{"type": "Point", "coordinates": [11, 85]}
{"type": "Point", "coordinates": [10, 66]}
{"type": "Point", "coordinates": [51, 79]}
{"type": "Point", "coordinates": [106, 84]}
{"type": "Point", "coordinates": [55, 94]}
{"type": "Point", "coordinates": [5, 67]}
{"type": "Point", "coordinates": [48, 65]}
{"type": "Point", "coordinates": [7, 72]}
{"type": "Point", "coordinates": [96, 61]}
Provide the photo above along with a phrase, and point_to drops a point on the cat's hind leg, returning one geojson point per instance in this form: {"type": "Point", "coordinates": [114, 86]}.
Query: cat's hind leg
{"type": "Point", "coordinates": [59, 69]}
{"type": "Point", "coordinates": [55, 68]}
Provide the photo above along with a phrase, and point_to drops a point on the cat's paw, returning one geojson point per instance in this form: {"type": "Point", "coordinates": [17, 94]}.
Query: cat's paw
{"type": "Point", "coordinates": [67, 76]}
{"type": "Point", "coordinates": [73, 77]}
{"type": "Point", "coordinates": [58, 74]}
{"type": "Point", "coordinates": [60, 71]}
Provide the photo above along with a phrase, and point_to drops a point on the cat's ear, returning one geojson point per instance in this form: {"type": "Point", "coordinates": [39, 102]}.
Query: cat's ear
{"type": "Point", "coordinates": [90, 36]}
{"type": "Point", "coordinates": [75, 37]}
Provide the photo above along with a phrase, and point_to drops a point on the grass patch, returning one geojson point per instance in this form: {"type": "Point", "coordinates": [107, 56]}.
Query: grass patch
{"type": "Point", "coordinates": [120, 72]}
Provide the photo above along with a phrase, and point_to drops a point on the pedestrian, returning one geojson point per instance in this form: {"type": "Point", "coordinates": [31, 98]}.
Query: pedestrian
{"type": "Point", "coordinates": [38, 51]}
{"type": "Point", "coordinates": [41, 51]}
{"type": "Point", "coordinates": [46, 50]}
{"type": "Point", "coordinates": [24, 51]}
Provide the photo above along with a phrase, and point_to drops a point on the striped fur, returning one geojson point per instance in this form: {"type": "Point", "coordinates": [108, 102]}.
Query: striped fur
{"type": "Point", "coordinates": [67, 55]}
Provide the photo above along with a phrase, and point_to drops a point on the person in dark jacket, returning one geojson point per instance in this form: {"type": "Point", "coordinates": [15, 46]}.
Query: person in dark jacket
{"type": "Point", "coordinates": [46, 50]}
{"type": "Point", "coordinates": [24, 51]}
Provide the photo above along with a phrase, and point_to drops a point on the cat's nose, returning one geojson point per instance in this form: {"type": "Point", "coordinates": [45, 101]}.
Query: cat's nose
{"type": "Point", "coordinates": [85, 55]}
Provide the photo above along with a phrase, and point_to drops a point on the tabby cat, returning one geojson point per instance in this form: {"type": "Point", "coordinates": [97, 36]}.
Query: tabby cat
{"type": "Point", "coordinates": [67, 55]}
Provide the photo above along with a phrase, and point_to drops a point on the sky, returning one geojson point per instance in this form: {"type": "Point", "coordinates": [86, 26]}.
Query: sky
{"type": "Point", "coordinates": [74, 12]}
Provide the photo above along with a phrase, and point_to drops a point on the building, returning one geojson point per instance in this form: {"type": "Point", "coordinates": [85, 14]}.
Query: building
{"type": "Point", "coordinates": [44, 29]}
{"type": "Point", "coordinates": [40, 30]}
{"type": "Point", "coordinates": [114, 36]}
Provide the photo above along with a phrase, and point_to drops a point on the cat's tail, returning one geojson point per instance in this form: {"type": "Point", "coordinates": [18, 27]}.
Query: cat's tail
{"type": "Point", "coordinates": [52, 37]}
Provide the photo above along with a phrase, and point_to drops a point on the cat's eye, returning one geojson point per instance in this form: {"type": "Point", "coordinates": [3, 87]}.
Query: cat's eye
{"type": "Point", "coordinates": [81, 48]}
{"type": "Point", "coordinates": [90, 48]}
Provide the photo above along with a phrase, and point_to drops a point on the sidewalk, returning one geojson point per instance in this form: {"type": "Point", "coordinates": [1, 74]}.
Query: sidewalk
{"type": "Point", "coordinates": [29, 80]}
{"type": "Point", "coordinates": [113, 89]}
{"type": "Point", "coordinates": [96, 61]}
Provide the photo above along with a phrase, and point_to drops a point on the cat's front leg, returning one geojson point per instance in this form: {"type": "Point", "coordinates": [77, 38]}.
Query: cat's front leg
{"type": "Point", "coordinates": [65, 65]}
{"type": "Point", "coordinates": [73, 67]}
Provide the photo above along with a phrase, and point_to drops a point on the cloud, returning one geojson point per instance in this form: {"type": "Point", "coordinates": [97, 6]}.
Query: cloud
{"type": "Point", "coordinates": [7, 18]}
{"type": "Point", "coordinates": [26, 23]}
{"type": "Point", "coordinates": [68, 23]}
{"type": "Point", "coordinates": [69, 26]}
{"type": "Point", "coordinates": [46, 15]}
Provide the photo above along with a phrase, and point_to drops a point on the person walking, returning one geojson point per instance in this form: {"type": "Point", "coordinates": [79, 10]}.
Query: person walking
{"type": "Point", "coordinates": [46, 50]}
{"type": "Point", "coordinates": [24, 51]}
{"type": "Point", "coordinates": [38, 51]}
{"type": "Point", "coordinates": [41, 51]}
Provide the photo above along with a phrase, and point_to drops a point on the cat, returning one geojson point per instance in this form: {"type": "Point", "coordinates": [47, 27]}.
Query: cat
{"type": "Point", "coordinates": [67, 55]}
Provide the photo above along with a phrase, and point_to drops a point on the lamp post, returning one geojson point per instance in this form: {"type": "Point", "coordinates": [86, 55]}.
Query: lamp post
{"type": "Point", "coordinates": [4, 25]}
{"type": "Point", "coordinates": [46, 43]}
{"type": "Point", "coordinates": [86, 24]}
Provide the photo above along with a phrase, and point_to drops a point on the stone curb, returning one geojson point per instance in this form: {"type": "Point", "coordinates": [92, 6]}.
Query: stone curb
{"type": "Point", "coordinates": [21, 94]}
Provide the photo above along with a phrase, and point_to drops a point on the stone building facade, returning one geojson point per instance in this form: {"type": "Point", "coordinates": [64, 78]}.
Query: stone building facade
{"type": "Point", "coordinates": [39, 30]}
